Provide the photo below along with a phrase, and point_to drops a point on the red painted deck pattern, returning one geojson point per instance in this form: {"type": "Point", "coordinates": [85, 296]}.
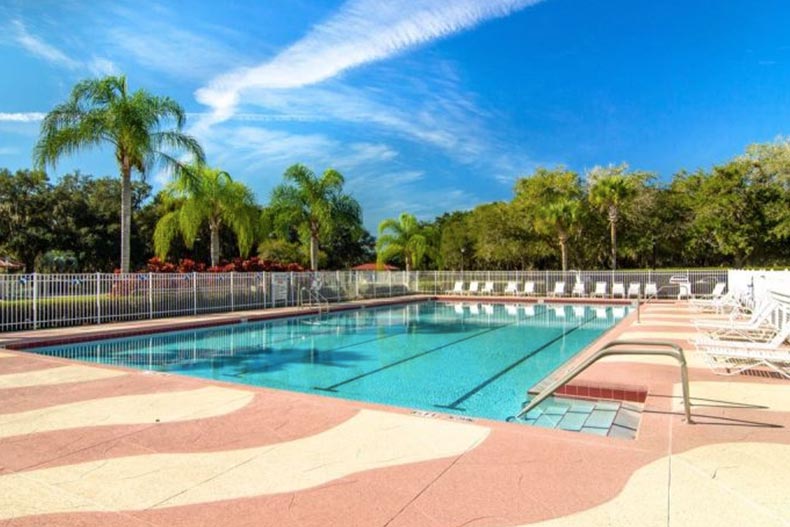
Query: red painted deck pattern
{"type": "Point", "coordinates": [514, 475]}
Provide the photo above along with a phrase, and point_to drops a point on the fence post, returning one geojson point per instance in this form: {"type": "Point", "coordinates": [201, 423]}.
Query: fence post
{"type": "Point", "coordinates": [194, 293]}
{"type": "Point", "coordinates": [150, 295]}
{"type": "Point", "coordinates": [232, 304]}
{"type": "Point", "coordinates": [35, 301]}
{"type": "Point", "coordinates": [356, 284]}
{"type": "Point", "coordinates": [98, 298]}
{"type": "Point", "coordinates": [271, 289]}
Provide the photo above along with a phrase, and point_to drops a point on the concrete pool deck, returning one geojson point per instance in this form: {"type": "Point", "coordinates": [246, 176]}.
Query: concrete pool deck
{"type": "Point", "coordinates": [82, 444]}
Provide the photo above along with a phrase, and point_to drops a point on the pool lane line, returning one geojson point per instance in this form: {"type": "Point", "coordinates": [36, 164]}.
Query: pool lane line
{"type": "Point", "coordinates": [454, 405]}
{"type": "Point", "coordinates": [333, 388]}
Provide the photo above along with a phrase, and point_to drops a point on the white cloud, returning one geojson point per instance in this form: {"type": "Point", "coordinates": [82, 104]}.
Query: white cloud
{"type": "Point", "coordinates": [21, 117]}
{"type": "Point", "coordinates": [9, 151]}
{"type": "Point", "coordinates": [101, 67]}
{"type": "Point", "coordinates": [164, 46]}
{"type": "Point", "coordinates": [96, 65]}
{"type": "Point", "coordinates": [41, 49]}
{"type": "Point", "coordinates": [362, 31]}
{"type": "Point", "coordinates": [388, 194]}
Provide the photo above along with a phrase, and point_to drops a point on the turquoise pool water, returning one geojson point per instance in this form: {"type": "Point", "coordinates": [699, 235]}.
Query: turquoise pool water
{"type": "Point", "coordinates": [475, 360]}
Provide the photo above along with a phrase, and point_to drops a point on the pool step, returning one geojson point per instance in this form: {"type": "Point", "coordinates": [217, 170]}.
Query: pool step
{"type": "Point", "coordinates": [605, 418]}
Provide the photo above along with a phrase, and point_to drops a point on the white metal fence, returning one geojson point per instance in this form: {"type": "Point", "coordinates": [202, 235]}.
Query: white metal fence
{"type": "Point", "coordinates": [30, 301]}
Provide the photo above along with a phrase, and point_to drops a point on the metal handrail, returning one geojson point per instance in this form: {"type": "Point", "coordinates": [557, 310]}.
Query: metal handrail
{"type": "Point", "coordinates": [654, 296]}
{"type": "Point", "coordinates": [313, 296]}
{"type": "Point", "coordinates": [673, 351]}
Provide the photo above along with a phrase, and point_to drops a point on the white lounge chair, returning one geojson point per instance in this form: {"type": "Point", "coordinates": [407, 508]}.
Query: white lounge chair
{"type": "Point", "coordinates": [618, 289]}
{"type": "Point", "coordinates": [772, 341]}
{"type": "Point", "coordinates": [600, 290]}
{"type": "Point", "coordinates": [717, 292]}
{"type": "Point", "coordinates": [578, 289]}
{"type": "Point", "coordinates": [457, 289]}
{"type": "Point", "coordinates": [633, 289]}
{"type": "Point", "coordinates": [651, 290]}
{"type": "Point", "coordinates": [723, 360]}
{"type": "Point", "coordinates": [511, 288]}
{"type": "Point", "coordinates": [758, 325]}
{"type": "Point", "coordinates": [474, 287]}
{"type": "Point", "coordinates": [731, 357]}
{"type": "Point", "coordinates": [529, 288]}
{"type": "Point", "coordinates": [559, 289]}
{"type": "Point", "coordinates": [488, 288]}
{"type": "Point", "coordinates": [722, 304]}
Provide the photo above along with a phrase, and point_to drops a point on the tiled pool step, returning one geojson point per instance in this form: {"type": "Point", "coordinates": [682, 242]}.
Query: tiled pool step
{"type": "Point", "coordinates": [604, 418]}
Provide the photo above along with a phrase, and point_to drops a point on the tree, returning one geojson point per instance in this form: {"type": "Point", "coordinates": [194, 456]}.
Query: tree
{"type": "Point", "coordinates": [500, 239]}
{"type": "Point", "coordinates": [454, 243]}
{"type": "Point", "coordinates": [315, 206]}
{"type": "Point", "coordinates": [86, 214]}
{"type": "Point", "coordinates": [25, 219]}
{"type": "Point", "coordinates": [550, 202]}
{"type": "Point", "coordinates": [101, 111]}
{"type": "Point", "coordinates": [203, 195]}
{"type": "Point", "coordinates": [770, 169]}
{"type": "Point", "coordinates": [560, 218]}
{"type": "Point", "coordinates": [610, 188]}
{"type": "Point", "coordinates": [401, 238]}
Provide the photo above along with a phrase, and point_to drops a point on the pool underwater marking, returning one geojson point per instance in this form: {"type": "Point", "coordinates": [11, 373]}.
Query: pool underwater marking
{"type": "Point", "coordinates": [476, 360]}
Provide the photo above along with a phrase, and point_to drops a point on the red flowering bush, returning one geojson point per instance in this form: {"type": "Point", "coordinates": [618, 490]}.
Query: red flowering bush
{"type": "Point", "coordinates": [250, 265]}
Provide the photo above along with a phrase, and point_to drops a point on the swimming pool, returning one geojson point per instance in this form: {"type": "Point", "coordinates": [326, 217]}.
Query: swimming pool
{"type": "Point", "coordinates": [475, 360]}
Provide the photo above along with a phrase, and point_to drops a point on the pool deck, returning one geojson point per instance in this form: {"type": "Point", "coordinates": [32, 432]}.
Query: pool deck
{"type": "Point", "coordinates": [92, 445]}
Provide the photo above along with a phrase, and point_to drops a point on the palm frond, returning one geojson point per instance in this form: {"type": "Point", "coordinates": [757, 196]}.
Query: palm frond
{"type": "Point", "coordinates": [166, 230]}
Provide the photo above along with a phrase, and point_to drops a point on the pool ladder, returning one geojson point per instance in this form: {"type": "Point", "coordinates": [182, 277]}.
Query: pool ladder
{"type": "Point", "coordinates": [618, 347]}
{"type": "Point", "coordinates": [314, 298]}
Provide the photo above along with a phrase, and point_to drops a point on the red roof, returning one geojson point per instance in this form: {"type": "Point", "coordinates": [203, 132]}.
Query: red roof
{"type": "Point", "coordinates": [374, 267]}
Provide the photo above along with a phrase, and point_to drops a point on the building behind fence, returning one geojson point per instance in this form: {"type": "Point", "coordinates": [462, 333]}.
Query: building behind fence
{"type": "Point", "coordinates": [32, 301]}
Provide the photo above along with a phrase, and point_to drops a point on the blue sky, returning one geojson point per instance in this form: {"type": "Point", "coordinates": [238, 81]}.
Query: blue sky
{"type": "Point", "coordinates": [424, 105]}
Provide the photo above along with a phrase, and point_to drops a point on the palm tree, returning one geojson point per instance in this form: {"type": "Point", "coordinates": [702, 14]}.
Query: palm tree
{"type": "Point", "coordinates": [559, 219]}
{"type": "Point", "coordinates": [405, 239]}
{"type": "Point", "coordinates": [314, 205]}
{"type": "Point", "coordinates": [610, 188]}
{"type": "Point", "coordinates": [202, 194]}
{"type": "Point", "coordinates": [102, 111]}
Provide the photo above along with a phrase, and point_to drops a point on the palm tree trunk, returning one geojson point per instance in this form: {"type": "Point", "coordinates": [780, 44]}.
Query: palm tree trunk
{"type": "Point", "coordinates": [564, 252]}
{"type": "Point", "coordinates": [126, 215]}
{"type": "Point", "coordinates": [614, 246]}
{"type": "Point", "coordinates": [613, 235]}
{"type": "Point", "coordinates": [214, 228]}
{"type": "Point", "coordinates": [313, 247]}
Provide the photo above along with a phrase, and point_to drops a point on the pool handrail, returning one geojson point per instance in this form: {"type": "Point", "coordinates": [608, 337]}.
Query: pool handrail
{"type": "Point", "coordinates": [614, 348]}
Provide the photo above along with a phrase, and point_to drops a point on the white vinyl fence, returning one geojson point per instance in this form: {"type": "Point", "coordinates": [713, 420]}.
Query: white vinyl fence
{"type": "Point", "coordinates": [31, 301]}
